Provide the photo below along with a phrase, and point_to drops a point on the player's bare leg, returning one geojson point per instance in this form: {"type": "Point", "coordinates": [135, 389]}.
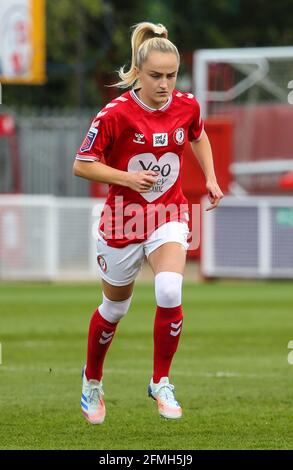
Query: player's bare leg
{"type": "Point", "coordinates": [116, 301]}
{"type": "Point", "coordinates": [117, 293]}
{"type": "Point", "coordinates": [167, 263]}
{"type": "Point", "coordinates": [168, 257]}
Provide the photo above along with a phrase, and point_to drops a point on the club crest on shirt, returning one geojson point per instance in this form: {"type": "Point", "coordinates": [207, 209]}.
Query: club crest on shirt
{"type": "Point", "coordinates": [179, 136]}
{"type": "Point", "coordinates": [102, 263]}
{"type": "Point", "coordinates": [89, 139]}
{"type": "Point", "coordinates": [160, 140]}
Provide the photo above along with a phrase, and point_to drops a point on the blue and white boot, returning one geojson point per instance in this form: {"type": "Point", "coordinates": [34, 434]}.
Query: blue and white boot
{"type": "Point", "coordinates": [163, 393]}
{"type": "Point", "coordinates": [92, 403]}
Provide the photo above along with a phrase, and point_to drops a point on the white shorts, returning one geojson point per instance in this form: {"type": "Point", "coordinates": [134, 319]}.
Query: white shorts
{"type": "Point", "coordinates": [120, 266]}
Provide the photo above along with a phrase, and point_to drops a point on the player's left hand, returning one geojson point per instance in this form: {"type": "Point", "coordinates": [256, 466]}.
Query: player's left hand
{"type": "Point", "coordinates": [214, 194]}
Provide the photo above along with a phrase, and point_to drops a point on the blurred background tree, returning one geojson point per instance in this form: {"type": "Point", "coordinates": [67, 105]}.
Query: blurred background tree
{"type": "Point", "coordinates": [88, 40]}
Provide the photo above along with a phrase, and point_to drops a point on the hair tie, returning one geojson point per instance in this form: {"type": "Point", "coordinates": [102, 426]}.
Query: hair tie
{"type": "Point", "coordinates": [157, 35]}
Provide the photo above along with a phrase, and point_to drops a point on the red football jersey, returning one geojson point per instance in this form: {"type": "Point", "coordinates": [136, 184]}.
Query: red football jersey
{"type": "Point", "coordinates": [131, 136]}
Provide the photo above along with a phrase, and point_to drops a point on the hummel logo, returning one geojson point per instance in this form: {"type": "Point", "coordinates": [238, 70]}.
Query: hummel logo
{"type": "Point", "coordinates": [177, 327]}
{"type": "Point", "coordinates": [138, 138]}
{"type": "Point", "coordinates": [107, 336]}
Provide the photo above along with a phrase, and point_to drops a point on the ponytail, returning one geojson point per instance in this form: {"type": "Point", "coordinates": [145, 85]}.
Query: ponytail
{"type": "Point", "coordinates": [145, 38]}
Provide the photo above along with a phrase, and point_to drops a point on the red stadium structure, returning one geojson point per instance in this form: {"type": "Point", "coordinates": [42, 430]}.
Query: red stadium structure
{"type": "Point", "coordinates": [220, 133]}
{"type": "Point", "coordinates": [251, 86]}
{"type": "Point", "coordinates": [11, 249]}
{"type": "Point", "coordinates": [9, 156]}
{"type": "Point", "coordinates": [286, 182]}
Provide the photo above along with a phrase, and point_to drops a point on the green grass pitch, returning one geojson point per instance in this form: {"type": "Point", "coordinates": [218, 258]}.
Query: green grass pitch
{"type": "Point", "coordinates": [231, 370]}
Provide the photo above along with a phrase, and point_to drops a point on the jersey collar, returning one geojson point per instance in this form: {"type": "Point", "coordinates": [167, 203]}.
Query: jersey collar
{"type": "Point", "coordinates": [145, 106]}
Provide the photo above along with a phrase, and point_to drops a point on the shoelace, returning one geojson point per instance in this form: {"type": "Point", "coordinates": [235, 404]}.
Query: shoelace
{"type": "Point", "coordinates": [166, 391]}
{"type": "Point", "coordinates": [95, 394]}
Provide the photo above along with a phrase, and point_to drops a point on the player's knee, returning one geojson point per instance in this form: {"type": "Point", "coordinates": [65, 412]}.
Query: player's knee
{"type": "Point", "coordinates": [168, 288]}
{"type": "Point", "coordinates": [112, 310]}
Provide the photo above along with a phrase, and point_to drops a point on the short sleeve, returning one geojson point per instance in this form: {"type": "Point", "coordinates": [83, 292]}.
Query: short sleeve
{"type": "Point", "coordinates": [97, 141]}
{"type": "Point", "coordinates": [196, 127]}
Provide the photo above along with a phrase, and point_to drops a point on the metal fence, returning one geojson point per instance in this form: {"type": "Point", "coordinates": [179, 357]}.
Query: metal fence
{"type": "Point", "coordinates": [47, 144]}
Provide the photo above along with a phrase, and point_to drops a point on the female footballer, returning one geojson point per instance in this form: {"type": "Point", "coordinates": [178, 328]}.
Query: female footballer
{"type": "Point", "coordinates": [141, 136]}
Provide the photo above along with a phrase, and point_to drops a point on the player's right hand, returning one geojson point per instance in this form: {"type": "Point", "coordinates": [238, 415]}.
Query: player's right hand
{"type": "Point", "coordinates": [142, 181]}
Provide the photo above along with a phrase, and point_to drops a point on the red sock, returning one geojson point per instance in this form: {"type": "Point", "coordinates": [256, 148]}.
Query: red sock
{"type": "Point", "coordinates": [167, 330]}
{"type": "Point", "coordinates": [100, 337]}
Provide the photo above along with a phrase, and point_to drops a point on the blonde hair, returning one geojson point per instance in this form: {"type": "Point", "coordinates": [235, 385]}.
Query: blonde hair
{"type": "Point", "coordinates": [145, 38]}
